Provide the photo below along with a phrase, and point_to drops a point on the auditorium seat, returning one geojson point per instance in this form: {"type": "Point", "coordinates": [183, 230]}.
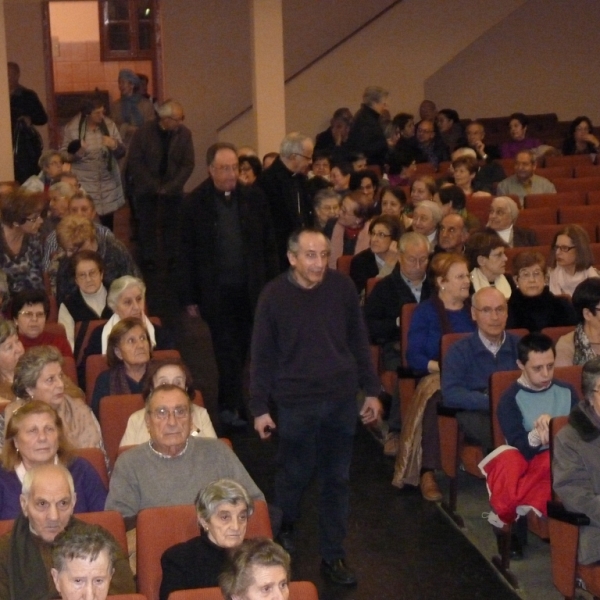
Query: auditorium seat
{"type": "Point", "coordinates": [577, 184]}
{"type": "Point", "coordinates": [537, 216]}
{"type": "Point", "coordinates": [557, 200]}
{"type": "Point", "coordinates": [589, 214]}
{"type": "Point", "coordinates": [343, 264]}
{"type": "Point", "coordinates": [556, 172]}
{"type": "Point", "coordinates": [545, 233]}
{"type": "Point", "coordinates": [587, 171]}
{"type": "Point", "coordinates": [95, 457]}
{"type": "Point", "coordinates": [573, 161]}
{"type": "Point", "coordinates": [593, 197]}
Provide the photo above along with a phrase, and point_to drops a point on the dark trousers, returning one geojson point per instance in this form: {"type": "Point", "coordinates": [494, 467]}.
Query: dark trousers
{"type": "Point", "coordinates": [108, 220]}
{"type": "Point", "coordinates": [317, 435]}
{"type": "Point", "coordinates": [230, 330]}
{"type": "Point", "coordinates": [153, 209]}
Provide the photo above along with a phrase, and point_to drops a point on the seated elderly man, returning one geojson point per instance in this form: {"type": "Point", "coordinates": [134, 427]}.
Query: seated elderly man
{"type": "Point", "coordinates": [47, 501]}
{"type": "Point", "coordinates": [504, 212]}
{"type": "Point", "coordinates": [427, 146]}
{"type": "Point", "coordinates": [259, 568]}
{"type": "Point", "coordinates": [83, 562]}
{"type": "Point", "coordinates": [525, 181]}
{"type": "Point", "coordinates": [172, 466]}
{"type": "Point", "coordinates": [406, 284]}
{"type": "Point", "coordinates": [470, 362]}
{"type": "Point", "coordinates": [475, 138]}
{"type": "Point", "coordinates": [426, 217]}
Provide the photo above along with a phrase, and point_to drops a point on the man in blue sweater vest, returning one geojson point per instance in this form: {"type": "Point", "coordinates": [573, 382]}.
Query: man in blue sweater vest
{"type": "Point", "coordinates": [470, 362]}
{"type": "Point", "coordinates": [310, 355]}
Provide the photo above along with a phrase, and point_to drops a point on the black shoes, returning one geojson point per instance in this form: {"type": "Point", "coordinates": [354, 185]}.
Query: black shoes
{"type": "Point", "coordinates": [516, 548]}
{"type": "Point", "coordinates": [338, 572]}
{"type": "Point", "coordinates": [286, 538]}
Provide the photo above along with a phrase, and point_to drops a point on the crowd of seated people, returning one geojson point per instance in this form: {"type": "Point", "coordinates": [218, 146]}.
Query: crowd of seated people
{"type": "Point", "coordinates": [374, 189]}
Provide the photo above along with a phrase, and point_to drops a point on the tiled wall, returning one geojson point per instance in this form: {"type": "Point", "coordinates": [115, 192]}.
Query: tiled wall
{"type": "Point", "coordinates": [77, 68]}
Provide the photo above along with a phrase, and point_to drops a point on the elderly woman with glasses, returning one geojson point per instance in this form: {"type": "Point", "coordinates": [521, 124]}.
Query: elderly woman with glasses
{"type": "Point", "coordinates": [21, 253]}
{"type": "Point", "coordinates": [532, 305]}
{"type": "Point", "coordinates": [223, 508]}
{"type": "Point", "coordinates": [78, 233]}
{"type": "Point", "coordinates": [382, 255]}
{"type": "Point", "coordinates": [487, 261]}
{"type": "Point", "coordinates": [51, 165]}
{"type": "Point", "coordinates": [571, 260]}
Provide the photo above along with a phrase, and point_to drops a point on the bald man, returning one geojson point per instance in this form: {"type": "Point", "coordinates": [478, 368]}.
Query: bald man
{"type": "Point", "coordinates": [469, 363]}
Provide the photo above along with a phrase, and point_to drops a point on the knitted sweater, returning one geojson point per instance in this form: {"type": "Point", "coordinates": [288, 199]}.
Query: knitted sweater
{"type": "Point", "coordinates": [143, 479]}
{"type": "Point", "coordinates": [309, 345]}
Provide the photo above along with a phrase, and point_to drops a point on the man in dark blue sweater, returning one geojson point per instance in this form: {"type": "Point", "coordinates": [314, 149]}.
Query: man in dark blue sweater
{"type": "Point", "coordinates": [310, 355]}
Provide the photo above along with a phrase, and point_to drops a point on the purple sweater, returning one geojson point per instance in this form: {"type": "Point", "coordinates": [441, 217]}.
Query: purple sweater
{"type": "Point", "coordinates": [512, 148]}
{"type": "Point", "coordinates": [91, 493]}
{"type": "Point", "coordinates": [309, 344]}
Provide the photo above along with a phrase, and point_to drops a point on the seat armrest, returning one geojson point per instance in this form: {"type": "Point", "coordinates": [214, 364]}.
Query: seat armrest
{"type": "Point", "coordinates": [556, 510]}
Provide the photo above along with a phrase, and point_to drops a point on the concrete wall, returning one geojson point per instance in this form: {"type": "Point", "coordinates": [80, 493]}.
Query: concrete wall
{"type": "Point", "coordinates": [542, 58]}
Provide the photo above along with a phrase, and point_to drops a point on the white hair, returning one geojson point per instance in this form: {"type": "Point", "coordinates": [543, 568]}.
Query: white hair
{"type": "Point", "coordinates": [511, 204]}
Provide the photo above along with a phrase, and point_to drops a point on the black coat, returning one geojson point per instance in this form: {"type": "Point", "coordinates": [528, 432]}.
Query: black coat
{"type": "Point", "coordinates": [197, 272]}
{"type": "Point", "coordinates": [289, 203]}
{"type": "Point", "coordinates": [363, 267]}
{"type": "Point", "coordinates": [535, 313]}
{"type": "Point", "coordinates": [384, 304]}
{"type": "Point", "coordinates": [523, 237]}
{"type": "Point", "coordinates": [196, 563]}
{"type": "Point", "coordinates": [366, 136]}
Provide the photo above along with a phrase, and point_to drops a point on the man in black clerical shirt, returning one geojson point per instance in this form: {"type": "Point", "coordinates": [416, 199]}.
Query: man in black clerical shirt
{"type": "Point", "coordinates": [227, 254]}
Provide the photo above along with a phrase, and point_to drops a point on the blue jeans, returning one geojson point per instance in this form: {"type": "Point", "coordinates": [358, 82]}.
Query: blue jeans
{"type": "Point", "coordinates": [320, 435]}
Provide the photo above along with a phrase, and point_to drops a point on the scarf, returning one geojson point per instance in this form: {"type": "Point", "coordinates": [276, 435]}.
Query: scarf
{"type": "Point", "coordinates": [563, 283]}
{"type": "Point", "coordinates": [118, 383]}
{"type": "Point", "coordinates": [481, 281]}
{"type": "Point", "coordinates": [24, 561]}
{"type": "Point", "coordinates": [130, 112]}
{"type": "Point", "coordinates": [583, 347]}
{"type": "Point", "coordinates": [104, 130]}
{"type": "Point", "coordinates": [337, 242]}
{"type": "Point", "coordinates": [115, 319]}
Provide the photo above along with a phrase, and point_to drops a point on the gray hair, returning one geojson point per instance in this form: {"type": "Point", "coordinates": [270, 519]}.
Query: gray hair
{"type": "Point", "coordinates": [83, 541]}
{"type": "Point", "coordinates": [434, 208]}
{"type": "Point", "coordinates": [412, 238]}
{"type": "Point", "coordinates": [293, 143]}
{"type": "Point", "coordinates": [166, 109]}
{"type": "Point", "coordinates": [220, 492]}
{"type": "Point", "coordinates": [374, 94]}
{"type": "Point", "coordinates": [293, 244]}
{"type": "Point", "coordinates": [47, 156]}
{"type": "Point", "coordinates": [30, 366]}
{"type": "Point", "coordinates": [513, 209]}
{"type": "Point", "coordinates": [325, 194]}
{"type": "Point", "coordinates": [464, 151]}
{"type": "Point", "coordinates": [530, 153]}
{"type": "Point", "coordinates": [30, 475]}
{"type": "Point", "coordinates": [589, 378]}
{"type": "Point", "coordinates": [63, 188]}
{"type": "Point", "coordinates": [118, 286]}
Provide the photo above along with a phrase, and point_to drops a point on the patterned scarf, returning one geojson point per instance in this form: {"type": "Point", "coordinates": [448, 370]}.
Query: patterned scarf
{"type": "Point", "coordinates": [104, 130]}
{"type": "Point", "coordinates": [583, 348]}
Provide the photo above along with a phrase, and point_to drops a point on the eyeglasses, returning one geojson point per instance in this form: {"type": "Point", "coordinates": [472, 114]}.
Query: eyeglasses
{"type": "Point", "coordinates": [411, 260]}
{"type": "Point", "coordinates": [564, 249]}
{"type": "Point", "coordinates": [489, 310]}
{"type": "Point", "coordinates": [33, 219]}
{"type": "Point", "coordinates": [29, 314]}
{"type": "Point", "coordinates": [303, 156]}
{"type": "Point", "coordinates": [227, 168]}
{"type": "Point", "coordinates": [379, 234]}
{"type": "Point", "coordinates": [531, 275]}
{"type": "Point", "coordinates": [89, 275]}
{"type": "Point", "coordinates": [420, 130]}
{"type": "Point", "coordinates": [163, 414]}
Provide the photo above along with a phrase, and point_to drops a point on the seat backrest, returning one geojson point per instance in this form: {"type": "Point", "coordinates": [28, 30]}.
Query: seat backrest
{"type": "Point", "coordinates": [405, 317]}
{"type": "Point", "coordinates": [499, 383]}
{"type": "Point", "coordinates": [572, 375]}
{"type": "Point", "coordinates": [572, 160]}
{"type": "Point", "coordinates": [343, 263]}
{"type": "Point", "coordinates": [95, 457]}
{"type": "Point", "coordinates": [162, 527]}
{"type": "Point", "coordinates": [556, 424]}
{"type": "Point", "coordinates": [558, 171]}
{"type": "Point", "coordinates": [545, 215]}
{"type": "Point", "coordinates": [555, 333]}
{"type": "Point", "coordinates": [91, 327]}
{"type": "Point", "coordinates": [579, 184]}
{"type": "Point", "coordinates": [96, 364]}
{"type": "Point", "coordinates": [299, 590]}
{"type": "Point", "coordinates": [114, 413]}
{"type": "Point", "coordinates": [579, 214]}
{"type": "Point", "coordinates": [557, 200]}
{"type": "Point", "coordinates": [512, 252]}
{"type": "Point", "coordinates": [55, 329]}
{"type": "Point", "coordinates": [587, 171]}
{"type": "Point", "coordinates": [593, 197]}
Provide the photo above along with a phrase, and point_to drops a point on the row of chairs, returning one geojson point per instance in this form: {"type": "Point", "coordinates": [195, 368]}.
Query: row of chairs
{"type": "Point", "coordinates": [160, 528]}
